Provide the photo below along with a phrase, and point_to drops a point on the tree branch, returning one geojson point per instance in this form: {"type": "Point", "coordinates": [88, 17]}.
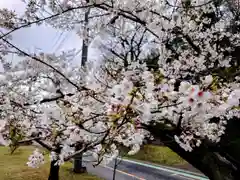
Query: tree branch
{"type": "Point", "coordinates": [29, 140]}
{"type": "Point", "coordinates": [48, 147]}
{"type": "Point", "coordinates": [170, 105]}
{"type": "Point", "coordinates": [48, 65]}
{"type": "Point", "coordinates": [44, 19]}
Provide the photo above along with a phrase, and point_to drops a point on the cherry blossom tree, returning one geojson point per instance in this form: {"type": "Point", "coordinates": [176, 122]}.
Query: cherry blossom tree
{"type": "Point", "coordinates": [36, 108]}
{"type": "Point", "coordinates": [185, 95]}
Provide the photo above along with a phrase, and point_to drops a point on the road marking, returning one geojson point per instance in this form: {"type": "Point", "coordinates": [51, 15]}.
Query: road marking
{"type": "Point", "coordinates": [179, 175]}
{"type": "Point", "coordinates": [131, 175]}
{"type": "Point", "coordinates": [174, 171]}
{"type": "Point", "coordinates": [185, 174]}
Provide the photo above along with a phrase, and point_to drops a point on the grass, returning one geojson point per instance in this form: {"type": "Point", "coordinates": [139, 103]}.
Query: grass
{"type": "Point", "coordinates": [13, 167]}
{"type": "Point", "coordinates": [158, 155]}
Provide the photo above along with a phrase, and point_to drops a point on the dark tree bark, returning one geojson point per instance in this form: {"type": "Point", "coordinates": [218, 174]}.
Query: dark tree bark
{"type": "Point", "coordinates": [77, 165]}
{"type": "Point", "coordinates": [209, 159]}
{"type": "Point", "coordinates": [54, 171]}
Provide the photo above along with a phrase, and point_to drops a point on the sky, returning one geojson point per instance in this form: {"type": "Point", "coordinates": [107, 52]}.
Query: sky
{"type": "Point", "coordinates": [44, 38]}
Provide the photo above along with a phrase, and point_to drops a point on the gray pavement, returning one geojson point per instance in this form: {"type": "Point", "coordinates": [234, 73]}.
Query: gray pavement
{"type": "Point", "coordinates": [131, 170]}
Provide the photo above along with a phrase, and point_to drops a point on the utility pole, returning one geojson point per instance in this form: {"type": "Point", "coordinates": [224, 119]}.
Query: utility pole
{"type": "Point", "coordinates": [77, 165]}
{"type": "Point", "coordinates": [114, 169]}
{"type": "Point", "coordinates": [85, 39]}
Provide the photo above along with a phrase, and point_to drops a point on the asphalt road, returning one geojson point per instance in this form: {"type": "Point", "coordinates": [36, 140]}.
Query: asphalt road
{"type": "Point", "coordinates": [131, 170]}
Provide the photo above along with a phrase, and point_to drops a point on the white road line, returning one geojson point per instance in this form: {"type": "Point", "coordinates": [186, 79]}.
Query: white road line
{"type": "Point", "coordinates": [185, 177]}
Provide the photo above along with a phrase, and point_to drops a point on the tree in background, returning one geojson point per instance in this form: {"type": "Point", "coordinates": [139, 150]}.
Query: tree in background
{"type": "Point", "coordinates": [184, 96]}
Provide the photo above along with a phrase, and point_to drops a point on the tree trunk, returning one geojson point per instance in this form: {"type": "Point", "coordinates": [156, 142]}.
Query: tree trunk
{"type": "Point", "coordinates": [54, 171]}
{"type": "Point", "coordinates": [77, 165]}
{"type": "Point", "coordinates": [209, 160]}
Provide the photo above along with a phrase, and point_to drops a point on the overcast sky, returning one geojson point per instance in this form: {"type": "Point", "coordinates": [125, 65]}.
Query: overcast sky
{"type": "Point", "coordinates": [42, 37]}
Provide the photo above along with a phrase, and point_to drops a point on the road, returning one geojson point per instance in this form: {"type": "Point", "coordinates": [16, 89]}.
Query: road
{"type": "Point", "coordinates": [132, 170]}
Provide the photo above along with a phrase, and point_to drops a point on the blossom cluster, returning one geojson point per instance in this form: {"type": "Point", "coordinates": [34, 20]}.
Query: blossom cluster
{"type": "Point", "coordinates": [36, 159]}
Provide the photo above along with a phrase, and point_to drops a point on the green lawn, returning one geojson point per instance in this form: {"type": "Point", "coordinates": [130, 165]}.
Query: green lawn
{"type": "Point", "coordinates": [159, 155]}
{"type": "Point", "coordinates": [13, 167]}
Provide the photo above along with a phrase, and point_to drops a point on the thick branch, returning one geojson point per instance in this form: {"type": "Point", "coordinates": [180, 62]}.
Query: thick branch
{"type": "Point", "coordinates": [48, 147]}
{"type": "Point", "coordinates": [50, 99]}
{"type": "Point", "coordinates": [28, 140]}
